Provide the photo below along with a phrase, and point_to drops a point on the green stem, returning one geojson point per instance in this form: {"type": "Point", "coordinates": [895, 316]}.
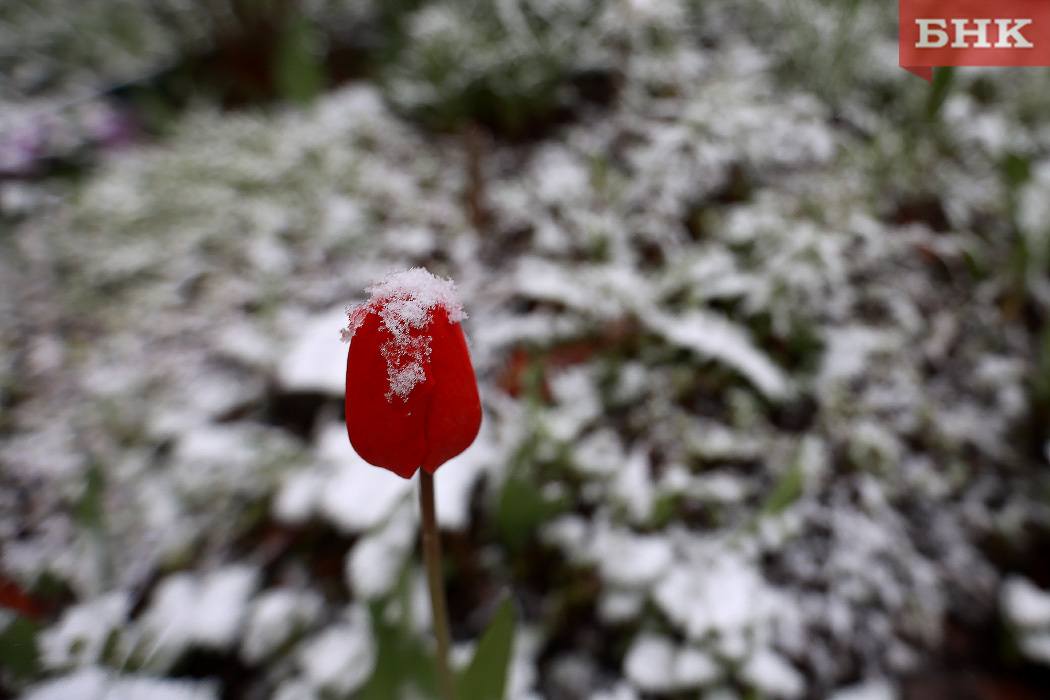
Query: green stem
{"type": "Point", "coordinates": [436, 581]}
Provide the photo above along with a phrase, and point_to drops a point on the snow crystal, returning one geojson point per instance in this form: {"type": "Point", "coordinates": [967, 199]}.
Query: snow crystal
{"type": "Point", "coordinates": [405, 302]}
{"type": "Point", "coordinates": [340, 659]}
{"type": "Point", "coordinates": [274, 617]}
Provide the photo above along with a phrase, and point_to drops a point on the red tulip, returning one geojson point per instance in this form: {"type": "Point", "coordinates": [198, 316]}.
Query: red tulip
{"type": "Point", "coordinates": [411, 394]}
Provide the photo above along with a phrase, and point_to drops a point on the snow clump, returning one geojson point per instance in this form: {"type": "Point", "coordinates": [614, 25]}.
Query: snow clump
{"type": "Point", "coordinates": [405, 302]}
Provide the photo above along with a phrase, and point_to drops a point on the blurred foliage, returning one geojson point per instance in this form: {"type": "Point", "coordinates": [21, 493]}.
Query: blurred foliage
{"type": "Point", "coordinates": [19, 656]}
{"type": "Point", "coordinates": [401, 658]}
{"type": "Point", "coordinates": [785, 491]}
{"type": "Point", "coordinates": [498, 63]}
{"type": "Point", "coordinates": [299, 65]}
{"type": "Point", "coordinates": [486, 677]}
{"type": "Point", "coordinates": [522, 508]}
{"type": "Point", "coordinates": [943, 78]}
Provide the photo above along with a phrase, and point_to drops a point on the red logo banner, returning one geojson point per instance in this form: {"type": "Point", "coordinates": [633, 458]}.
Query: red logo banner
{"type": "Point", "coordinates": [973, 33]}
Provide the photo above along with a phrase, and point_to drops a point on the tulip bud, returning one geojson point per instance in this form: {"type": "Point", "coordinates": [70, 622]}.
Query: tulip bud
{"type": "Point", "coordinates": [411, 394]}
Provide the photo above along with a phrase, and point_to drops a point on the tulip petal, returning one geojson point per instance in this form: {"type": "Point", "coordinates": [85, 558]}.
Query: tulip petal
{"type": "Point", "coordinates": [384, 430]}
{"type": "Point", "coordinates": [454, 413]}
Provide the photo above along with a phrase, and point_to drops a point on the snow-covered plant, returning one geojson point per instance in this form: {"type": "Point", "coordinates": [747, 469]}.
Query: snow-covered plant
{"type": "Point", "coordinates": [500, 63]}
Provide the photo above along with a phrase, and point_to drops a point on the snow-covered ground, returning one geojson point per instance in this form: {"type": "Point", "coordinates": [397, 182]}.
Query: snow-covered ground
{"type": "Point", "coordinates": [760, 358]}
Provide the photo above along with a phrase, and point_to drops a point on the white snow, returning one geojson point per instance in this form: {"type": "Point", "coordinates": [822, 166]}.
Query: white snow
{"type": "Point", "coordinates": [622, 691]}
{"type": "Point", "coordinates": [723, 595]}
{"type": "Point", "coordinates": [773, 675]}
{"type": "Point", "coordinates": [716, 338]}
{"type": "Point", "coordinates": [649, 663]}
{"type": "Point", "coordinates": [274, 617]}
{"type": "Point", "coordinates": [406, 302]}
{"type": "Point", "coordinates": [616, 606]}
{"type": "Point", "coordinates": [630, 560]}
{"type": "Point", "coordinates": [340, 659]}
{"type": "Point", "coordinates": [316, 360]}
{"type": "Point", "coordinates": [1026, 608]}
{"type": "Point", "coordinates": [694, 668]}
{"type": "Point", "coordinates": [876, 689]}
{"type": "Point", "coordinates": [295, 689]}
{"type": "Point", "coordinates": [80, 635]}
{"type": "Point", "coordinates": [1036, 647]}
{"type": "Point", "coordinates": [599, 453]}
{"type": "Point", "coordinates": [377, 559]}
{"type": "Point", "coordinates": [90, 683]}
{"type": "Point", "coordinates": [189, 610]}
{"type": "Point", "coordinates": [633, 487]}
{"type": "Point", "coordinates": [522, 675]}
{"type": "Point", "coordinates": [577, 405]}
{"type": "Point", "coordinates": [356, 496]}
{"type": "Point", "coordinates": [297, 498]}
{"type": "Point", "coordinates": [225, 459]}
{"type": "Point", "coordinates": [1024, 604]}
{"type": "Point", "coordinates": [457, 478]}
{"type": "Point", "coordinates": [655, 664]}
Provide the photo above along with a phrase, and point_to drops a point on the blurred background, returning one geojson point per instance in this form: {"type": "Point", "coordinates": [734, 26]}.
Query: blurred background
{"type": "Point", "coordinates": [758, 319]}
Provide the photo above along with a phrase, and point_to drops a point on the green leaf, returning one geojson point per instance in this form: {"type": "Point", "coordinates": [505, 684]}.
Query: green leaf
{"type": "Point", "coordinates": [522, 508]}
{"type": "Point", "coordinates": [400, 660]}
{"type": "Point", "coordinates": [943, 77]}
{"type": "Point", "coordinates": [299, 69]}
{"type": "Point", "coordinates": [1017, 170]}
{"type": "Point", "coordinates": [486, 678]}
{"type": "Point", "coordinates": [90, 510]}
{"type": "Point", "coordinates": [18, 650]}
{"type": "Point", "coordinates": [788, 488]}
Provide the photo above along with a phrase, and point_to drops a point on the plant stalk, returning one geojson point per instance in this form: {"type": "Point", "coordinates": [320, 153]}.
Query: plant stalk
{"type": "Point", "coordinates": [436, 582]}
